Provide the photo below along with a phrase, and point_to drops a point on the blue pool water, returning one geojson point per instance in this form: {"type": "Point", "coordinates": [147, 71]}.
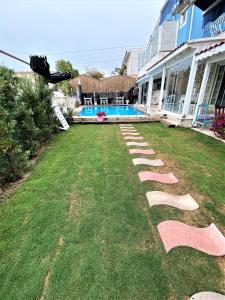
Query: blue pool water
{"type": "Point", "coordinates": [110, 111]}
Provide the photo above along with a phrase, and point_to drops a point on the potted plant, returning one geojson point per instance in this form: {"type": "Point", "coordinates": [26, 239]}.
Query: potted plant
{"type": "Point", "coordinates": [100, 116]}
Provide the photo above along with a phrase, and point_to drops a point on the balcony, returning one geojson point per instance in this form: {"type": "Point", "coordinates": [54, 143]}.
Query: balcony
{"type": "Point", "coordinates": [181, 6]}
{"type": "Point", "coordinates": [215, 28]}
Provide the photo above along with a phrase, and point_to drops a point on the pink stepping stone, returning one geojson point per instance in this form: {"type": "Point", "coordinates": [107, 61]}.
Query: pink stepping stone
{"type": "Point", "coordinates": [209, 240]}
{"type": "Point", "coordinates": [137, 138]}
{"type": "Point", "coordinates": [207, 296]}
{"type": "Point", "coordinates": [185, 202]}
{"type": "Point", "coordinates": [137, 144]}
{"type": "Point", "coordinates": [148, 162]}
{"type": "Point", "coordinates": [125, 125]}
{"type": "Point", "coordinates": [141, 151]}
{"type": "Point", "coordinates": [130, 133]}
{"type": "Point", "coordinates": [162, 178]}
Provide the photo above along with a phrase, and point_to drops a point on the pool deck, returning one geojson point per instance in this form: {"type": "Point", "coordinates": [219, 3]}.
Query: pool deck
{"type": "Point", "coordinates": [114, 119]}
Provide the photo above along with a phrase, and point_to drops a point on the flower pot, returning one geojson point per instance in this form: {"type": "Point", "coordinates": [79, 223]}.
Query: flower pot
{"type": "Point", "coordinates": [100, 118]}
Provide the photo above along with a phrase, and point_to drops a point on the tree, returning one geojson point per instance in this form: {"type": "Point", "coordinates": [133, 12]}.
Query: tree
{"type": "Point", "coordinates": [8, 88]}
{"type": "Point", "coordinates": [34, 115]}
{"type": "Point", "coordinates": [66, 66]}
{"type": "Point", "coordinates": [26, 122]}
{"type": "Point", "coordinates": [95, 73]}
{"type": "Point", "coordinates": [120, 71]}
{"type": "Point", "coordinates": [13, 161]}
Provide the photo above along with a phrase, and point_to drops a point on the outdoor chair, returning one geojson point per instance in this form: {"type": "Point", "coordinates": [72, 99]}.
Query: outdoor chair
{"type": "Point", "coordinates": [202, 117]}
{"type": "Point", "coordinates": [88, 101]}
{"type": "Point", "coordinates": [104, 101]}
{"type": "Point", "coordinates": [119, 100]}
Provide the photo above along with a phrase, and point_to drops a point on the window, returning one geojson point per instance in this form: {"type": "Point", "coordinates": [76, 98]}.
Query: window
{"type": "Point", "coordinates": [183, 19]}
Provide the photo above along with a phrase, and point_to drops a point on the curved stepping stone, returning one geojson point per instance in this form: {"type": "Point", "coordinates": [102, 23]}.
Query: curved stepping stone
{"type": "Point", "coordinates": [128, 130]}
{"type": "Point", "coordinates": [162, 178]}
{"type": "Point", "coordinates": [141, 151]}
{"type": "Point", "coordinates": [148, 162]}
{"type": "Point", "coordinates": [130, 133]}
{"type": "Point", "coordinates": [185, 202]}
{"type": "Point", "coordinates": [137, 144]}
{"type": "Point", "coordinates": [125, 125]}
{"type": "Point", "coordinates": [209, 240]}
{"type": "Point", "coordinates": [207, 296]}
{"type": "Point", "coordinates": [129, 137]}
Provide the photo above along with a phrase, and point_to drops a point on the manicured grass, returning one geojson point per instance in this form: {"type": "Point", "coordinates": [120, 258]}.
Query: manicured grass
{"type": "Point", "coordinates": [80, 227]}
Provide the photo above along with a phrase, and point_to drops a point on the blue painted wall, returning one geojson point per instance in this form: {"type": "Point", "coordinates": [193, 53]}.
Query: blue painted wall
{"type": "Point", "coordinates": [184, 31]}
{"type": "Point", "coordinates": [197, 29]}
{"type": "Point", "coordinates": [194, 30]}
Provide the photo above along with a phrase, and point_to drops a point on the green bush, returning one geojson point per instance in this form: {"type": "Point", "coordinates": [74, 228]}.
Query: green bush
{"type": "Point", "coordinates": [26, 122]}
{"type": "Point", "coordinates": [34, 115]}
{"type": "Point", "coordinates": [13, 161]}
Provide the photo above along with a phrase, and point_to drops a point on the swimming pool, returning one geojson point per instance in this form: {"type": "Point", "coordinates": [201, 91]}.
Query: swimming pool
{"type": "Point", "coordinates": [116, 110]}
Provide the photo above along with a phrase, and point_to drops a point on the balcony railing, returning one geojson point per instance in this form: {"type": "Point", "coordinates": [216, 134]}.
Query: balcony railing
{"type": "Point", "coordinates": [215, 28]}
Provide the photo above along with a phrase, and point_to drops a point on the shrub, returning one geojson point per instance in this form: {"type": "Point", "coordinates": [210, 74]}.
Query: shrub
{"type": "Point", "coordinates": [26, 122]}
{"type": "Point", "coordinates": [219, 126]}
{"type": "Point", "coordinates": [13, 162]}
{"type": "Point", "coordinates": [35, 119]}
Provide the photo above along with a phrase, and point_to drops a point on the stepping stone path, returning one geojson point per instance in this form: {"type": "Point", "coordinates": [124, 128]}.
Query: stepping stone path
{"type": "Point", "coordinates": [141, 151]}
{"type": "Point", "coordinates": [148, 162]}
{"type": "Point", "coordinates": [173, 233]}
{"type": "Point", "coordinates": [209, 240]}
{"type": "Point", "coordinates": [130, 133]}
{"type": "Point", "coordinates": [207, 296]}
{"type": "Point", "coordinates": [185, 202]}
{"type": "Point", "coordinates": [137, 144]}
{"type": "Point", "coordinates": [138, 138]}
{"type": "Point", "coordinates": [162, 178]}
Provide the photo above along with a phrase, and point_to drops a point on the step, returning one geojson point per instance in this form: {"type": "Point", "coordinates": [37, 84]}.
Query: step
{"type": "Point", "coordinates": [168, 123]}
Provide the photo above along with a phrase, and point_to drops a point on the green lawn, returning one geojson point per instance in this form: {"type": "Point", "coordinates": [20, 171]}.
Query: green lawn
{"type": "Point", "coordinates": [80, 226]}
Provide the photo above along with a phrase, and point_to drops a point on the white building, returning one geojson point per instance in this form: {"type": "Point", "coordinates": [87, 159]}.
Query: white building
{"type": "Point", "coordinates": [131, 61]}
{"type": "Point", "coordinates": [177, 82]}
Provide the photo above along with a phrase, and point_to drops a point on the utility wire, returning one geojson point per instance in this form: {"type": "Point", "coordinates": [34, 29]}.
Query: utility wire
{"type": "Point", "coordinates": [99, 49]}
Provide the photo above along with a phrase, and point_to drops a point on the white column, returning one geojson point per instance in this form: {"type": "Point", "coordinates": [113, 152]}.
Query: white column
{"type": "Point", "coordinates": [149, 96]}
{"type": "Point", "coordinates": [190, 87]}
{"type": "Point", "coordinates": [203, 88]}
{"type": "Point", "coordinates": [139, 93]}
{"type": "Point", "coordinates": [162, 88]}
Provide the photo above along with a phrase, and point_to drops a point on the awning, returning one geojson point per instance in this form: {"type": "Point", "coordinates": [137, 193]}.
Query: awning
{"type": "Point", "coordinates": [182, 66]}
{"type": "Point", "coordinates": [213, 51]}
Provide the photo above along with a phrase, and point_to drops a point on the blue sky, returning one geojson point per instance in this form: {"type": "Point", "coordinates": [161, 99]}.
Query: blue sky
{"type": "Point", "coordinates": [54, 27]}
